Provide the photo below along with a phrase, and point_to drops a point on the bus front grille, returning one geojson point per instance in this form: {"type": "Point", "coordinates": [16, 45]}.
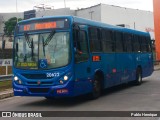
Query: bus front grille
{"type": "Point", "coordinates": [39, 90]}
{"type": "Point", "coordinates": [42, 83]}
{"type": "Point", "coordinates": [36, 76]}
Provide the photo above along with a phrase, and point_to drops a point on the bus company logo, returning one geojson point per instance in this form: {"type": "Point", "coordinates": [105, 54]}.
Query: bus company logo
{"type": "Point", "coordinates": [6, 114]}
{"type": "Point", "coordinates": [62, 91]}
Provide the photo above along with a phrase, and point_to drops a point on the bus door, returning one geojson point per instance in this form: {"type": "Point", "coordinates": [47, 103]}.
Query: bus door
{"type": "Point", "coordinates": [82, 64]}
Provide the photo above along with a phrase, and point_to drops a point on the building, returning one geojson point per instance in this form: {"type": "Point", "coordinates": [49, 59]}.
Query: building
{"type": "Point", "coordinates": [115, 15]}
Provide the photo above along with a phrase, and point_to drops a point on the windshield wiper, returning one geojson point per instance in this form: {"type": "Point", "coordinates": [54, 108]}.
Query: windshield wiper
{"type": "Point", "coordinates": [32, 47]}
{"type": "Point", "coordinates": [30, 43]}
{"type": "Point", "coordinates": [27, 40]}
{"type": "Point", "coordinates": [43, 46]}
{"type": "Point", "coordinates": [50, 36]}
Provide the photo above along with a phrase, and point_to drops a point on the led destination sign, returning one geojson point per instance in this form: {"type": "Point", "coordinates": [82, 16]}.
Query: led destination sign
{"type": "Point", "coordinates": [42, 25]}
{"type": "Point", "coordinates": [39, 26]}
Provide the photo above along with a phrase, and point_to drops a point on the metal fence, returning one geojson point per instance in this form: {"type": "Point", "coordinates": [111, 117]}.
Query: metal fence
{"type": "Point", "coordinates": [5, 77]}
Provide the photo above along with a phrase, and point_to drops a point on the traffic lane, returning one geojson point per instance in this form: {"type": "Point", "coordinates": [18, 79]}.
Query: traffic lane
{"type": "Point", "coordinates": [145, 97]}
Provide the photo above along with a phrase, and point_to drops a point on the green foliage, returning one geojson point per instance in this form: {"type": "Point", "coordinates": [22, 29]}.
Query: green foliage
{"type": "Point", "coordinates": [10, 26]}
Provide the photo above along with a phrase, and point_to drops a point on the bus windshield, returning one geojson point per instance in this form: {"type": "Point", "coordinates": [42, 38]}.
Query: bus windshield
{"type": "Point", "coordinates": [42, 51]}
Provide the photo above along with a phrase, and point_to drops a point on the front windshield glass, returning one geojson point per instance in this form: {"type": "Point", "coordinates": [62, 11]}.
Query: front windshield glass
{"type": "Point", "coordinates": [42, 51]}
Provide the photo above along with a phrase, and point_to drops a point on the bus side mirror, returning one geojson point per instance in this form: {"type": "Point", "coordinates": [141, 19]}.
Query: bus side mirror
{"type": "Point", "coordinates": [76, 26]}
{"type": "Point", "coordinates": [16, 47]}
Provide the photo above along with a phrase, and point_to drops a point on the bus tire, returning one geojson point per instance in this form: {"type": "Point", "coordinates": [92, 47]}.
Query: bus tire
{"type": "Point", "coordinates": [138, 77]}
{"type": "Point", "coordinates": [96, 90]}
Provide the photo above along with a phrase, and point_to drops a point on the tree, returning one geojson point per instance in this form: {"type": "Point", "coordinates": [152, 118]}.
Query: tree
{"type": "Point", "coordinates": [10, 26]}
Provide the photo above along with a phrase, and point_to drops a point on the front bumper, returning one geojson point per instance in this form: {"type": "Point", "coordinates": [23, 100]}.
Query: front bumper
{"type": "Point", "coordinates": [66, 90]}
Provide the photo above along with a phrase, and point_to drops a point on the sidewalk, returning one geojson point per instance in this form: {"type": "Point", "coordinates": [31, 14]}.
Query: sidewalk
{"type": "Point", "coordinates": [157, 67]}
{"type": "Point", "coordinates": [9, 92]}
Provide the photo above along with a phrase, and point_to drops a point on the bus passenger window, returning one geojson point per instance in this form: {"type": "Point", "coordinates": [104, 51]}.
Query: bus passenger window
{"type": "Point", "coordinates": [107, 41]}
{"type": "Point", "coordinates": [144, 44]}
{"type": "Point", "coordinates": [128, 42]}
{"type": "Point", "coordinates": [94, 36]}
{"type": "Point", "coordinates": [149, 48]}
{"type": "Point", "coordinates": [136, 44]}
{"type": "Point", "coordinates": [119, 42]}
{"type": "Point", "coordinates": [81, 47]}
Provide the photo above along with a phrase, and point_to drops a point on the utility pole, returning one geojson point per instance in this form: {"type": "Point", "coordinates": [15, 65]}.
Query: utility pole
{"type": "Point", "coordinates": [16, 6]}
{"type": "Point", "coordinates": [134, 25]}
{"type": "Point", "coordinates": [16, 10]}
{"type": "Point", "coordinates": [64, 3]}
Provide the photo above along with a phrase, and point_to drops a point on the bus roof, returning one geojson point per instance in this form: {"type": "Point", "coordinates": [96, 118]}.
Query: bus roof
{"type": "Point", "coordinates": [91, 23]}
{"type": "Point", "coordinates": [107, 26]}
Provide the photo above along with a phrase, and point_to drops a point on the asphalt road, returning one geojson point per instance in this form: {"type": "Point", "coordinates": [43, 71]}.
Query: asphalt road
{"type": "Point", "coordinates": [145, 97]}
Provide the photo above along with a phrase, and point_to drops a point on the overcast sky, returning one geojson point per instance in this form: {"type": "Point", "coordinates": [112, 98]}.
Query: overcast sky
{"type": "Point", "coordinates": [23, 5]}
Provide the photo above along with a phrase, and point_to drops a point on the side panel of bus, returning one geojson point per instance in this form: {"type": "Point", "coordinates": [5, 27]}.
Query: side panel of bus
{"type": "Point", "coordinates": [109, 68]}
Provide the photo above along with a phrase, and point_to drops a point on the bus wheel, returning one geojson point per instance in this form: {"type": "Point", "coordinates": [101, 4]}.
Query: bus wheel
{"type": "Point", "coordinates": [96, 91]}
{"type": "Point", "coordinates": [138, 76]}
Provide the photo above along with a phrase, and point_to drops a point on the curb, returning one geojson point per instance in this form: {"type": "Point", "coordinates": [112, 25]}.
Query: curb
{"type": "Point", "coordinates": [6, 94]}
{"type": "Point", "coordinates": [156, 69]}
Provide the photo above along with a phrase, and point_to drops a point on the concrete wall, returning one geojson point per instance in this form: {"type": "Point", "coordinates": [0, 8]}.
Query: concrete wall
{"type": "Point", "coordinates": [54, 12]}
{"type": "Point", "coordinates": [114, 15]}
{"type": "Point", "coordinates": [132, 18]}
{"type": "Point", "coordinates": [93, 13]}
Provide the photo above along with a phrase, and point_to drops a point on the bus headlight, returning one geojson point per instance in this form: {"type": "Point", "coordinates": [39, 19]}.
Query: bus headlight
{"type": "Point", "coordinates": [15, 78]}
{"type": "Point", "coordinates": [65, 78]}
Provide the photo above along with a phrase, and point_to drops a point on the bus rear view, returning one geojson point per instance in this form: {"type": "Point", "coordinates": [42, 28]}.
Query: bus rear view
{"type": "Point", "coordinates": [42, 58]}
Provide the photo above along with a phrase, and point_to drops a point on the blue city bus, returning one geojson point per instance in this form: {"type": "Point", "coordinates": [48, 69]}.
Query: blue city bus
{"type": "Point", "coordinates": [67, 56]}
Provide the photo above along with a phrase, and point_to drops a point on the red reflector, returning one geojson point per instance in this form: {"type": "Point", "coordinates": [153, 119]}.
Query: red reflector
{"type": "Point", "coordinates": [96, 58]}
{"type": "Point", "coordinates": [62, 91]}
{"type": "Point", "coordinates": [114, 70]}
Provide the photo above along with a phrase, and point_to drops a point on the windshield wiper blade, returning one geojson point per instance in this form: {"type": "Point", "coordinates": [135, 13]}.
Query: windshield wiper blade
{"type": "Point", "coordinates": [30, 44]}
{"type": "Point", "coordinates": [27, 40]}
{"type": "Point", "coordinates": [50, 36]}
{"type": "Point", "coordinates": [32, 47]}
{"type": "Point", "coordinates": [43, 46]}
